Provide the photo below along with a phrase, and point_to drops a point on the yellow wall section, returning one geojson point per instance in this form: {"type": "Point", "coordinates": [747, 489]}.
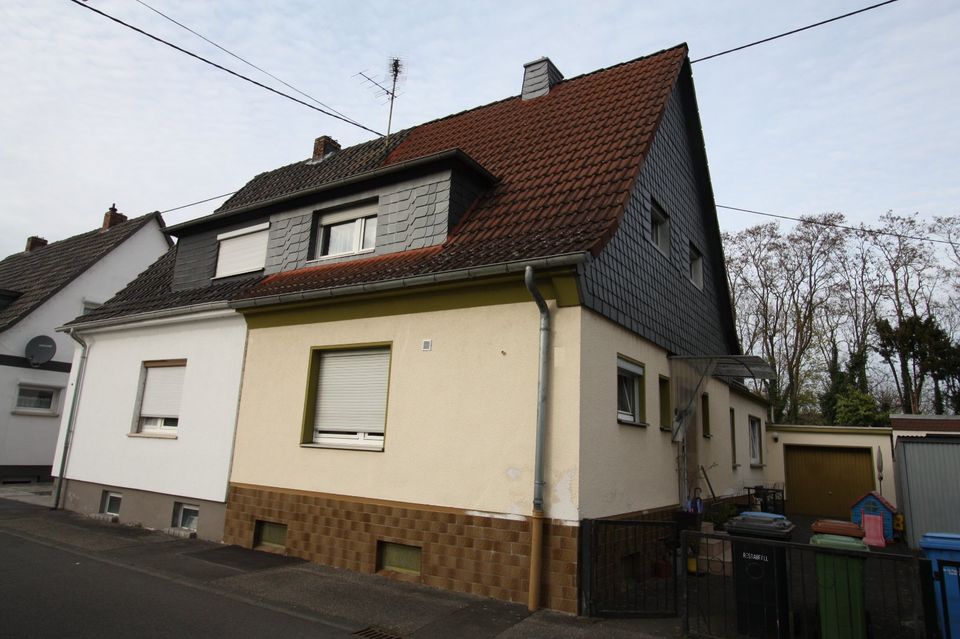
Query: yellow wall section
{"type": "Point", "coordinates": [460, 418]}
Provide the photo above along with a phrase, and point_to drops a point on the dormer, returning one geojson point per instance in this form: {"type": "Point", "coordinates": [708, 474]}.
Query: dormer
{"type": "Point", "coordinates": [324, 210]}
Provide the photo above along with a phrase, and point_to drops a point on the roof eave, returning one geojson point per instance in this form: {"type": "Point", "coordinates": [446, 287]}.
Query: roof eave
{"type": "Point", "coordinates": [442, 277]}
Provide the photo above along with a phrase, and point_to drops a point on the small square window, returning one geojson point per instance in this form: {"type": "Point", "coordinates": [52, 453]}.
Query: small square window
{"type": "Point", "coordinates": [243, 250]}
{"type": "Point", "coordinates": [630, 404]}
{"type": "Point", "coordinates": [185, 516]}
{"type": "Point", "coordinates": [270, 535]}
{"type": "Point", "coordinates": [398, 558]}
{"type": "Point", "coordinates": [111, 503]}
{"type": "Point", "coordinates": [660, 228]}
{"type": "Point", "coordinates": [666, 407]}
{"type": "Point", "coordinates": [37, 400]}
{"type": "Point", "coordinates": [696, 267]}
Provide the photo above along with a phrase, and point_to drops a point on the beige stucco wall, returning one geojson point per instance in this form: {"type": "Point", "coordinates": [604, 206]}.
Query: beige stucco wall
{"type": "Point", "coordinates": [628, 468]}
{"type": "Point", "coordinates": [460, 418]}
{"type": "Point", "coordinates": [846, 437]}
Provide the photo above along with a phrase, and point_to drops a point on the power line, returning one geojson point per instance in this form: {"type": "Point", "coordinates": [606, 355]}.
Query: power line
{"type": "Point", "coordinates": [246, 62]}
{"type": "Point", "coordinates": [209, 199]}
{"type": "Point", "coordinates": [839, 226]}
{"type": "Point", "coordinates": [222, 68]}
{"type": "Point", "coordinates": [783, 35]}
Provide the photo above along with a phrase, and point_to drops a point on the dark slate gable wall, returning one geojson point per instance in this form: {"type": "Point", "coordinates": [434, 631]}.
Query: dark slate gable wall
{"type": "Point", "coordinates": [633, 284]}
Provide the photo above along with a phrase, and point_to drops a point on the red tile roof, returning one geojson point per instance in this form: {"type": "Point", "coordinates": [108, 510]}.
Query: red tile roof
{"type": "Point", "coordinates": [566, 163]}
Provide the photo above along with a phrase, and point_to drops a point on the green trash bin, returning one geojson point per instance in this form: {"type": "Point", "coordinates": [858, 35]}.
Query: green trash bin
{"type": "Point", "coordinates": [840, 588]}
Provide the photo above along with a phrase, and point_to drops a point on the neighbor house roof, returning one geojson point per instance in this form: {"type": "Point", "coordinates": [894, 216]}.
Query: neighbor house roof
{"type": "Point", "coordinates": [33, 277]}
{"type": "Point", "coordinates": [151, 291]}
{"type": "Point", "coordinates": [938, 423]}
{"type": "Point", "coordinates": [565, 164]}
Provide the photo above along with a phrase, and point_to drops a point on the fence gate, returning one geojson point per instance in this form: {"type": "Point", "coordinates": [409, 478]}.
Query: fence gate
{"type": "Point", "coordinates": [628, 568]}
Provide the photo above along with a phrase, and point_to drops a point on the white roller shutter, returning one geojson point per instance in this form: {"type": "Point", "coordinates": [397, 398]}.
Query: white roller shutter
{"type": "Point", "coordinates": [162, 389]}
{"type": "Point", "coordinates": [242, 251]}
{"type": "Point", "coordinates": [352, 391]}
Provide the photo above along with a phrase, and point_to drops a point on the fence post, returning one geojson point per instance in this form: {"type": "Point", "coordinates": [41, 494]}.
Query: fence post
{"type": "Point", "coordinates": [683, 574]}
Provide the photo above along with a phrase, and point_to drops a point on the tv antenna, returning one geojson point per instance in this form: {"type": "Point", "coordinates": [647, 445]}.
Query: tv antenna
{"type": "Point", "coordinates": [395, 67]}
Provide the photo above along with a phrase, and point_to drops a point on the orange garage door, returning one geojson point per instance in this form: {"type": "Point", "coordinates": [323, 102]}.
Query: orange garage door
{"type": "Point", "coordinates": [825, 481]}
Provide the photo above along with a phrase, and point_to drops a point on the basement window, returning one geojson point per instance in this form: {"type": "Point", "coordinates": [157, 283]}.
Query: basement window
{"type": "Point", "coordinates": [269, 535]}
{"type": "Point", "coordinates": [398, 558]}
{"type": "Point", "coordinates": [186, 516]}
{"type": "Point", "coordinates": [110, 503]}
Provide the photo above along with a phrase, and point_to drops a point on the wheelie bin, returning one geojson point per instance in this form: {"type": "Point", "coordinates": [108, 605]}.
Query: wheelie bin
{"type": "Point", "coordinates": [840, 587]}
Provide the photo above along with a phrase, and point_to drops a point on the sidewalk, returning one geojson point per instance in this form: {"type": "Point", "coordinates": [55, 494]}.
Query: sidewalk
{"type": "Point", "coordinates": [363, 605]}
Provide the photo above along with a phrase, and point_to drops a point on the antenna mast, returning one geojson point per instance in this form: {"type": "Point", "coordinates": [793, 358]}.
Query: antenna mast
{"type": "Point", "coordinates": [394, 69]}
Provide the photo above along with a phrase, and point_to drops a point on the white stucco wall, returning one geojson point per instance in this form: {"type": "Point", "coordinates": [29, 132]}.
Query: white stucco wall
{"type": "Point", "coordinates": [839, 436]}
{"type": "Point", "coordinates": [629, 468]}
{"type": "Point", "coordinates": [197, 462]}
{"type": "Point", "coordinates": [461, 418]}
{"type": "Point", "coordinates": [28, 439]}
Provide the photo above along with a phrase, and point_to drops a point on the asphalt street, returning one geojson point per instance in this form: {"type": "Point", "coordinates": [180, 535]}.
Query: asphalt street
{"type": "Point", "coordinates": [49, 592]}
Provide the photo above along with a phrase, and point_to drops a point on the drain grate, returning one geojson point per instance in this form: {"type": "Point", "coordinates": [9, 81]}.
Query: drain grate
{"type": "Point", "coordinates": [375, 633]}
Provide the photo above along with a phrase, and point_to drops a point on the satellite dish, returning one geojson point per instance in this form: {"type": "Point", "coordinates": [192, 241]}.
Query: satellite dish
{"type": "Point", "coordinates": [40, 350]}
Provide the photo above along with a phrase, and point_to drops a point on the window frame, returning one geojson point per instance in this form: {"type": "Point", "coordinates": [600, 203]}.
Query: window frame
{"type": "Point", "coordinates": [705, 416]}
{"type": "Point", "coordinates": [659, 228]}
{"type": "Point", "coordinates": [636, 371]}
{"type": "Point", "coordinates": [310, 436]}
{"type": "Point", "coordinates": [733, 438]}
{"type": "Point", "coordinates": [695, 266]}
{"type": "Point", "coordinates": [756, 439]}
{"type": "Point", "coordinates": [105, 502]}
{"type": "Point", "coordinates": [28, 411]}
{"type": "Point", "coordinates": [263, 228]}
{"type": "Point", "coordinates": [359, 214]}
{"type": "Point", "coordinates": [179, 509]}
{"type": "Point", "coordinates": [160, 426]}
{"type": "Point", "coordinates": [666, 407]}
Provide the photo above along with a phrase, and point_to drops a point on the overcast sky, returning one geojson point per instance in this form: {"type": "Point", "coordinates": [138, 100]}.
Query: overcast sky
{"type": "Point", "coordinates": [858, 116]}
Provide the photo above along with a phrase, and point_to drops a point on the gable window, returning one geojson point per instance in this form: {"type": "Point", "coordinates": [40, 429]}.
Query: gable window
{"type": "Point", "coordinates": [630, 399]}
{"type": "Point", "coordinates": [696, 266]}
{"type": "Point", "coordinates": [705, 415]}
{"type": "Point", "coordinates": [756, 441]}
{"type": "Point", "coordinates": [349, 232]}
{"type": "Point", "coordinates": [733, 438]}
{"type": "Point", "coordinates": [660, 228]}
{"type": "Point", "coordinates": [666, 409]}
{"type": "Point", "coordinates": [160, 394]}
{"type": "Point", "coordinates": [349, 404]}
{"type": "Point", "coordinates": [243, 250]}
{"type": "Point", "coordinates": [37, 400]}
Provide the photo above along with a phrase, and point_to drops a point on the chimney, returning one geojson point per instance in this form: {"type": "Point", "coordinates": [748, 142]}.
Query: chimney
{"type": "Point", "coordinates": [34, 242]}
{"type": "Point", "coordinates": [324, 146]}
{"type": "Point", "coordinates": [111, 218]}
{"type": "Point", "coordinates": [538, 78]}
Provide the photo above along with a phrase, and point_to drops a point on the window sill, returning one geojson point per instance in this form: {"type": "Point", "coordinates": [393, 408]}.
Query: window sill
{"type": "Point", "coordinates": [630, 422]}
{"type": "Point", "coordinates": [707, 436]}
{"type": "Point", "coordinates": [666, 429]}
{"type": "Point", "coordinates": [752, 465]}
{"type": "Point", "coordinates": [154, 435]}
{"type": "Point", "coordinates": [26, 412]}
{"type": "Point", "coordinates": [375, 448]}
{"type": "Point", "coordinates": [736, 466]}
{"type": "Point", "coordinates": [327, 258]}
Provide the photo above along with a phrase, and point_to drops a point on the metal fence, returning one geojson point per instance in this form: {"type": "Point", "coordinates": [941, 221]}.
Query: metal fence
{"type": "Point", "coordinates": [946, 580]}
{"type": "Point", "coordinates": [628, 568]}
{"type": "Point", "coordinates": [747, 587]}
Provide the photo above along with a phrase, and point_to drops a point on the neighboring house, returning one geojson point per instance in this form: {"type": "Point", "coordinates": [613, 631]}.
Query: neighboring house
{"type": "Point", "coordinates": [923, 425]}
{"type": "Point", "coordinates": [388, 328]}
{"type": "Point", "coordinates": [41, 288]}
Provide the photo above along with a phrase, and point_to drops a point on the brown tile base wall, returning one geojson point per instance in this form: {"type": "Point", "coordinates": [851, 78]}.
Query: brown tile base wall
{"type": "Point", "coordinates": [468, 553]}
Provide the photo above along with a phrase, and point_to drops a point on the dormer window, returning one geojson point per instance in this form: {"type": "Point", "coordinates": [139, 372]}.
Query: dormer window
{"type": "Point", "coordinates": [243, 250]}
{"type": "Point", "coordinates": [349, 232]}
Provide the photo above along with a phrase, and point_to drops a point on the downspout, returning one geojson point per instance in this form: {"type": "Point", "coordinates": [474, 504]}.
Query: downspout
{"type": "Point", "coordinates": [536, 520]}
{"type": "Point", "coordinates": [74, 402]}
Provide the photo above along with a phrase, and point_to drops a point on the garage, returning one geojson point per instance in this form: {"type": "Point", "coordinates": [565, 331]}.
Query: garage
{"type": "Point", "coordinates": [826, 480]}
